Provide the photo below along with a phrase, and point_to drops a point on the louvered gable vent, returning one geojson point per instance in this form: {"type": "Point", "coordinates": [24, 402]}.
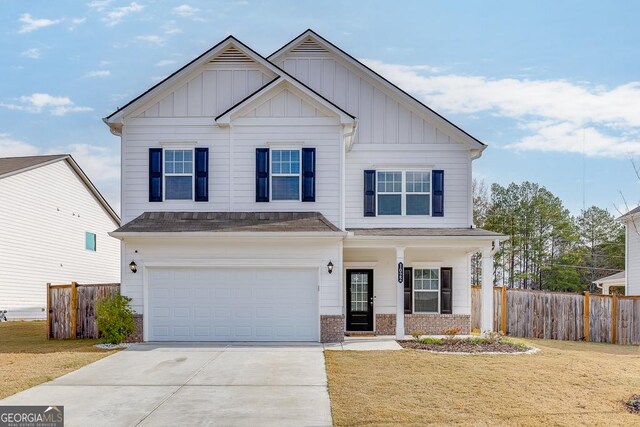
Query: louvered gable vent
{"type": "Point", "coordinates": [232, 56]}
{"type": "Point", "coordinates": [309, 47]}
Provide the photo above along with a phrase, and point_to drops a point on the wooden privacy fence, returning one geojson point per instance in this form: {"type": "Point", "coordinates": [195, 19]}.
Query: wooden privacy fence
{"type": "Point", "coordinates": [71, 309]}
{"type": "Point", "coordinates": [561, 316]}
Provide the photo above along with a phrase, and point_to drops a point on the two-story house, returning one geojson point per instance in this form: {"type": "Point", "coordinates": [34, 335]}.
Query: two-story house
{"type": "Point", "coordinates": [294, 198]}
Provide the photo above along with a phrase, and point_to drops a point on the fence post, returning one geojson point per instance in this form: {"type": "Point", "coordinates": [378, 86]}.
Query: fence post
{"type": "Point", "coordinates": [585, 325]}
{"type": "Point", "coordinates": [503, 314]}
{"type": "Point", "coordinates": [74, 310]}
{"type": "Point", "coordinates": [614, 319]}
{"type": "Point", "coordinates": [48, 311]}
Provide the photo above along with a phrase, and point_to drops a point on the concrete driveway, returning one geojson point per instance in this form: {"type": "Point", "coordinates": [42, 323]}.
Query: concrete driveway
{"type": "Point", "coordinates": [189, 384]}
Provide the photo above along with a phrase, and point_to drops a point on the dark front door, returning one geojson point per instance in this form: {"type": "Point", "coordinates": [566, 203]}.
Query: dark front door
{"type": "Point", "coordinates": [360, 300]}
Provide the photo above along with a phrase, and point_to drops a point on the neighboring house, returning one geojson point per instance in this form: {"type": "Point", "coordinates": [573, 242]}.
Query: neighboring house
{"type": "Point", "coordinates": [293, 198]}
{"type": "Point", "coordinates": [631, 221]}
{"type": "Point", "coordinates": [54, 227]}
{"type": "Point", "coordinates": [614, 280]}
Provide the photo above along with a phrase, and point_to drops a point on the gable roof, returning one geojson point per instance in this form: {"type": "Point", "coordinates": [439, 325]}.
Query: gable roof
{"type": "Point", "coordinates": [114, 120]}
{"type": "Point", "coordinates": [286, 79]}
{"type": "Point", "coordinates": [14, 165]}
{"type": "Point", "coordinates": [9, 165]}
{"type": "Point", "coordinates": [327, 45]}
{"type": "Point", "coordinates": [631, 213]}
{"type": "Point", "coordinates": [617, 277]}
{"type": "Point", "coordinates": [228, 222]}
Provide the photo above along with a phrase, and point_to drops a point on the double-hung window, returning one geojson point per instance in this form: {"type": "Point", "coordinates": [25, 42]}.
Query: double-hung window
{"type": "Point", "coordinates": [285, 174]}
{"type": "Point", "coordinates": [178, 174]}
{"type": "Point", "coordinates": [426, 290]}
{"type": "Point", "coordinates": [404, 192]}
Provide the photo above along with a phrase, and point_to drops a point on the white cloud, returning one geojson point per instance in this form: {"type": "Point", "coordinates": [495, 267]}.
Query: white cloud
{"type": "Point", "coordinates": [165, 63]}
{"type": "Point", "coordinates": [116, 15]}
{"type": "Point", "coordinates": [98, 73]}
{"type": "Point", "coordinates": [554, 113]}
{"type": "Point", "coordinates": [10, 147]}
{"type": "Point", "coordinates": [40, 102]}
{"type": "Point", "coordinates": [152, 39]}
{"type": "Point", "coordinates": [99, 5]}
{"type": "Point", "coordinates": [33, 53]}
{"type": "Point", "coordinates": [171, 28]}
{"type": "Point", "coordinates": [185, 10]}
{"type": "Point", "coordinates": [30, 23]}
{"type": "Point", "coordinates": [74, 22]}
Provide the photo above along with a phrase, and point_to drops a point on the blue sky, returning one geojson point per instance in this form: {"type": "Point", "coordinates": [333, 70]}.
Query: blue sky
{"type": "Point", "coordinates": [541, 82]}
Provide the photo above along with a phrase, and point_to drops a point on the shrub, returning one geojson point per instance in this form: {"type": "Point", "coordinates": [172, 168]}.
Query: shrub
{"type": "Point", "coordinates": [431, 340]}
{"type": "Point", "coordinates": [115, 318]}
{"type": "Point", "coordinates": [493, 337]}
{"type": "Point", "coordinates": [451, 333]}
{"type": "Point", "coordinates": [417, 334]}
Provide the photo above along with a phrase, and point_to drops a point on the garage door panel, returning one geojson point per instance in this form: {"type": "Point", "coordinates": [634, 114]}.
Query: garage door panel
{"type": "Point", "coordinates": [207, 304]}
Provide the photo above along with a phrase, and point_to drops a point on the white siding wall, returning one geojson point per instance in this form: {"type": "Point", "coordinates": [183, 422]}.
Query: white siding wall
{"type": "Point", "coordinates": [633, 260]}
{"type": "Point", "coordinates": [453, 159]}
{"type": "Point", "coordinates": [44, 214]}
{"type": "Point", "coordinates": [317, 252]}
{"type": "Point", "coordinates": [210, 92]}
{"type": "Point", "coordinates": [284, 104]}
{"type": "Point", "coordinates": [385, 274]}
{"type": "Point", "coordinates": [381, 118]}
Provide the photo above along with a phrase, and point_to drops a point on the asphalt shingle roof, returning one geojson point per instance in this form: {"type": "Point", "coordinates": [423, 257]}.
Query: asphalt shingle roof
{"type": "Point", "coordinates": [176, 222]}
{"type": "Point", "coordinates": [13, 164]}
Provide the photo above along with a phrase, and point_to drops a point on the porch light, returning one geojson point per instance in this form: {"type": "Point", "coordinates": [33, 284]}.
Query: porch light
{"type": "Point", "coordinates": [330, 267]}
{"type": "Point", "coordinates": [133, 266]}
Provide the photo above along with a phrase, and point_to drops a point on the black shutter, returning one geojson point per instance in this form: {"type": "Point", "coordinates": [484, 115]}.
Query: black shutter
{"type": "Point", "coordinates": [369, 193]}
{"type": "Point", "coordinates": [201, 176]}
{"type": "Point", "coordinates": [155, 174]}
{"type": "Point", "coordinates": [437, 179]}
{"type": "Point", "coordinates": [308, 174]}
{"type": "Point", "coordinates": [262, 174]}
{"type": "Point", "coordinates": [408, 290]}
{"type": "Point", "coordinates": [446, 290]}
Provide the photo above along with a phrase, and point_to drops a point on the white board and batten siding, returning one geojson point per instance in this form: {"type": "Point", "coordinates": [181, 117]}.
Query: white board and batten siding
{"type": "Point", "coordinates": [241, 253]}
{"type": "Point", "coordinates": [44, 215]}
{"type": "Point", "coordinates": [633, 258]}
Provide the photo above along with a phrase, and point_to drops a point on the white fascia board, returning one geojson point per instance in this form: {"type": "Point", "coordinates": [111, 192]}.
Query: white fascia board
{"type": "Point", "coordinates": [338, 235]}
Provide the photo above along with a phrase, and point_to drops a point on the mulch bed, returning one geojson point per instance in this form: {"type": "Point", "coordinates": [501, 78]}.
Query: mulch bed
{"type": "Point", "coordinates": [633, 404]}
{"type": "Point", "coordinates": [465, 346]}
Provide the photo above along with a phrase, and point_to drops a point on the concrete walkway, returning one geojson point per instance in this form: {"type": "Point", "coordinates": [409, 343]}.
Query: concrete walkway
{"type": "Point", "coordinates": [192, 384]}
{"type": "Point", "coordinates": [380, 342]}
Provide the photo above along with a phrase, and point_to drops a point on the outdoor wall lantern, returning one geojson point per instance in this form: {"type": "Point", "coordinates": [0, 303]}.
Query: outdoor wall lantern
{"type": "Point", "coordinates": [133, 266]}
{"type": "Point", "coordinates": [330, 267]}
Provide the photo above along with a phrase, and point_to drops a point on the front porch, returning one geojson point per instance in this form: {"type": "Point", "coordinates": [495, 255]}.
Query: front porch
{"type": "Point", "coordinates": [414, 280]}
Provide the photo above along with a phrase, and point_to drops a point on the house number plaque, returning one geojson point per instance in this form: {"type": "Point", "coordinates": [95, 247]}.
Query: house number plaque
{"type": "Point", "coordinates": [400, 272]}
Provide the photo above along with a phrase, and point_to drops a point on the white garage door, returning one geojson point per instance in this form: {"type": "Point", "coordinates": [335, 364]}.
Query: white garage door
{"type": "Point", "coordinates": [239, 304]}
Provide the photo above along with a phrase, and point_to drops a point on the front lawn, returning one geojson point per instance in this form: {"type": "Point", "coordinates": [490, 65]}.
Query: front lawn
{"type": "Point", "coordinates": [27, 358]}
{"type": "Point", "coordinates": [566, 383]}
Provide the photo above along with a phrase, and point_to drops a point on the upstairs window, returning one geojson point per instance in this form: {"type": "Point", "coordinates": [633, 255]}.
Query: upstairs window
{"type": "Point", "coordinates": [178, 174]}
{"type": "Point", "coordinates": [90, 241]}
{"type": "Point", "coordinates": [404, 192]}
{"type": "Point", "coordinates": [285, 174]}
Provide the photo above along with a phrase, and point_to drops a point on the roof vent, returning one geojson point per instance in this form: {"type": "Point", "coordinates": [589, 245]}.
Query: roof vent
{"type": "Point", "coordinates": [232, 55]}
{"type": "Point", "coordinates": [309, 46]}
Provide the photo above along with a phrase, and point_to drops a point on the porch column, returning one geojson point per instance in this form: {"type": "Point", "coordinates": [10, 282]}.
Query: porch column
{"type": "Point", "coordinates": [400, 293]}
{"type": "Point", "coordinates": [486, 321]}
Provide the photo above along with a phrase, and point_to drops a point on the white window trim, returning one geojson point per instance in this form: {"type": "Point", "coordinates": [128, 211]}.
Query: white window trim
{"type": "Point", "coordinates": [164, 172]}
{"type": "Point", "coordinates": [403, 193]}
{"type": "Point", "coordinates": [271, 175]}
{"type": "Point", "coordinates": [413, 290]}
